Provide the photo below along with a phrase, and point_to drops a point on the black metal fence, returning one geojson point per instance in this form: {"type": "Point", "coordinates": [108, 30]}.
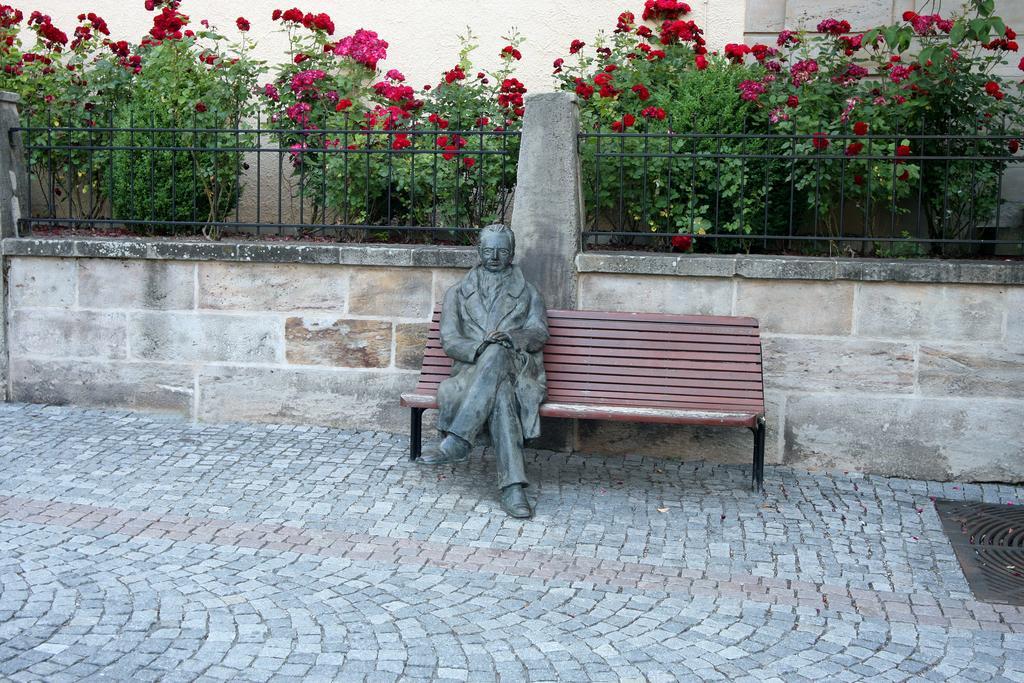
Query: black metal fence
{"type": "Point", "coordinates": [128, 175]}
{"type": "Point", "coordinates": [894, 195]}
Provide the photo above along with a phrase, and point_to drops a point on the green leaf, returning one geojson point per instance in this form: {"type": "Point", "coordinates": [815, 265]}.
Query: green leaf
{"type": "Point", "coordinates": [980, 28]}
{"type": "Point", "coordinates": [890, 35]}
{"type": "Point", "coordinates": [956, 35]}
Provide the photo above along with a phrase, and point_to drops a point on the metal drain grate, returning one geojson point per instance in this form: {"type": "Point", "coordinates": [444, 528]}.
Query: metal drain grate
{"type": "Point", "coordinates": [989, 542]}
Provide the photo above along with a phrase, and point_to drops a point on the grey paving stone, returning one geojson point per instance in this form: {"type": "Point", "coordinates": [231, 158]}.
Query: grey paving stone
{"type": "Point", "coordinates": [143, 564]}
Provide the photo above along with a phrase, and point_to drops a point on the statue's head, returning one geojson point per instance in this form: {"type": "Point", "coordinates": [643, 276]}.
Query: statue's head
{"type": "Point", "coordinates": [497, 247]}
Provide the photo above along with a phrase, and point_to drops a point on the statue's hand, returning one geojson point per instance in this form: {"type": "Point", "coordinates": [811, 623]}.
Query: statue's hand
{"type": "Point", "coordinates": [497, 337]}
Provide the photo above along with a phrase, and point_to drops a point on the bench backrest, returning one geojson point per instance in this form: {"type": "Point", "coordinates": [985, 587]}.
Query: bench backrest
{"type": "Point", "coordinates": [639, 360]}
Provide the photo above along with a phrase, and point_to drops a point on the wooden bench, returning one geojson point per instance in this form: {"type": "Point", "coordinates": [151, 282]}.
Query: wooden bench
{"type": "Point", "coordinates": [635, 367]}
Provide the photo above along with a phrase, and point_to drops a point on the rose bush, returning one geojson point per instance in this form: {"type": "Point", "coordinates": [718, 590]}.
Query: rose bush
{"type": "Point", "coordinates": [64, 82]}
{"type": "Point", "coordinates": [373, 150]}
{"type": "Point", "coordinates": [854, 106]}
{"type": "Point", "coordinates": [190, 94]}
{"type": "Point", "coordinates": [890, 104]}
{"type": "Point", "coordinates": [172, 113]}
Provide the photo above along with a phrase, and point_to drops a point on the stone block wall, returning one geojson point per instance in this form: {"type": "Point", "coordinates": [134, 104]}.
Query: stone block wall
{"type": "Point", "coordinates": [921, 378]}
{"type": "Point", "coordinates": [331, 344]}
{"type": "Point", "coordinates": [899, 368]}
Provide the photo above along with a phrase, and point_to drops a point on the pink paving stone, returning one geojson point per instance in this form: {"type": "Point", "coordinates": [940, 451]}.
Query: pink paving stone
{"type": "Point", "coordinates": [280, 545]}
{"type": "Point", "coordinates": [897, 608]}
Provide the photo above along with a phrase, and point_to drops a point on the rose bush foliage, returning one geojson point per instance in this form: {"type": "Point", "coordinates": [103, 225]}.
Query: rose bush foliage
{"type": "Point", "coordinates": [366, 148]}
{"type": "Point", "coordinates": [855, 106]}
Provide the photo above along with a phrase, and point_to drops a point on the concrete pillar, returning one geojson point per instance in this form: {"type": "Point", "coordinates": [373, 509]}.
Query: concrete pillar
{"type": "Point", "coordinates": [13, 200]}
{"type": "Point", "coordinates": [13, 175]}
{"type": "Point", "coordinates": [548, 209]}
{"type": "Point", "coordinates": [547, 215]}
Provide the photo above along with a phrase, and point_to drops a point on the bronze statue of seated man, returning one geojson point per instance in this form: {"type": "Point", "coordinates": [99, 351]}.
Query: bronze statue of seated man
{"type": "Point", "coordinates": [493, 326]}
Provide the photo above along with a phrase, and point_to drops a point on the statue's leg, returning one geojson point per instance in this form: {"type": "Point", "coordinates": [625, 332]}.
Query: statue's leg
{"type": "Point", "coordinates": [507, 437]}
{"type": "Point", "coordinates": [491, 369]}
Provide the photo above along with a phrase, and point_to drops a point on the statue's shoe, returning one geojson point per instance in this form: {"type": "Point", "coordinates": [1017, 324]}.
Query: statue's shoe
{"type": "Point", "coordinates": [452, 450]}
{"type": "Point", "coordinates": [513, 501]}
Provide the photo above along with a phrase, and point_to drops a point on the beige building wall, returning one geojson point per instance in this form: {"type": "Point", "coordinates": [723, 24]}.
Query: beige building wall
{"type": "Point", "coordinates": [422, 33]}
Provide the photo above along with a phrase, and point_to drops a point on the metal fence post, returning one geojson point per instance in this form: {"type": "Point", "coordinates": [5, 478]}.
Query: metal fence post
{"type": "Point", "coordinates": [13, 175]}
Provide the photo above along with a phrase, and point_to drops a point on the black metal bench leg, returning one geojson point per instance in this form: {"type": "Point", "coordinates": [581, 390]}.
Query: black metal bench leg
{"type": "Point", "coordinates": [416, 433]}
{"type": "Point", "coordinates": [757, 470]}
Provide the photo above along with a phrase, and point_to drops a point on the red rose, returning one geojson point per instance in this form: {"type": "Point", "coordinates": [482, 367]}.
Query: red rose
{"type": "Point", "coordinates": [1010, 33]}
{"type": "Point", "coordinates": [200, 107]}
{"type": "Point", "coordinates": [469, 162]}
{"type": "Point", "coordinates": [343, 104]}
{"type": "Point", "coordinates": [242, 23]}
{"type": "Point", "coordinates": [701, 61]}
{"type": "Point", "coordinates": [150, 5]}
{"type": "Point", "coordinates": [617, 126]}
{"type": "Point", "coordinates": [902, 151]}
{"type": "Point", "coordinates": [858, 180]}
{"type": "Point", "coordinates": [991, 87]}
{"type": "Point", "coordinates": [482, 121]}
{"type": "Point", "coordinates": [558, 64]}
{"type": "Point", "coordinates": [820, 141]}
{"type": "Point", "coordinates": [1021, 65]}
{"type": "Point", "coordinates": [860, 128]}
{"type": "Point", "coordinates": [276, 15]}
{"type": "Point", "coordinates": [853, 149]}
{"type": "Point", "coordinates": [904, 176]}
{"type": "Point", "coordinates": [628, 120]}
{"type": "Point", "coordinates": [576, 46]}
{"type": "Point", "coordinates": [1013, 146]}
{"type": "Point", "coordinates": [909, 15]}
{"type": "Point", "coordinates": [653, 113]}
{"type": "Point", "coordinates": [642, 92]}
{"type": "Point", "coordinates": [792, 101]}
{"type": "Point", "coordinates": [682, 242]}
{"type": "Point", "coordinates": [300, 58]}
{"type": "Point", "coordinates": [401, 141]}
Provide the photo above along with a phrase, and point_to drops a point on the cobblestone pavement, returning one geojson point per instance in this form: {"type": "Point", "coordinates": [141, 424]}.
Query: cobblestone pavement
{"type": "Point", "coordinates": [135, 547]}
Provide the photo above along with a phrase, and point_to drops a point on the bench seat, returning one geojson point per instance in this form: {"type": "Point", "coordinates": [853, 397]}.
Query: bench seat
{"type": "Point", "coordinates": [635, 367]}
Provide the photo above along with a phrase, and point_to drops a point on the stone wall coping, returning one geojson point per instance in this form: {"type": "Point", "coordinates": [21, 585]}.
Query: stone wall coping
{"type": "Point", "coordinates": [431, 256]}
{"type": "Point", "coordinates": [425, 256]}
{"type": "Point", "coordinates": [805, 268]}
{"type": "Point", "coordinates": [9, 97]}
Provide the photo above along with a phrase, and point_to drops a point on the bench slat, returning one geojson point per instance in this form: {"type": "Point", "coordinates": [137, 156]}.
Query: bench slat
{"type": "Point", "coordinates": [436, 361]}
{"type": "Point", "coordinates": [679, 342]}
{"type": "Point", "coordinates": [663, 325]}
{"type": "Point", "coordinates": [598, 316]}
{"type": "Point", "coordinates": [698, 415]}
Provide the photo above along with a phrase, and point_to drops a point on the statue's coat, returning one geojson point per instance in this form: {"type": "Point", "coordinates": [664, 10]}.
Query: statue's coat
{"type": "Point", "coordinates": [466, 321]}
